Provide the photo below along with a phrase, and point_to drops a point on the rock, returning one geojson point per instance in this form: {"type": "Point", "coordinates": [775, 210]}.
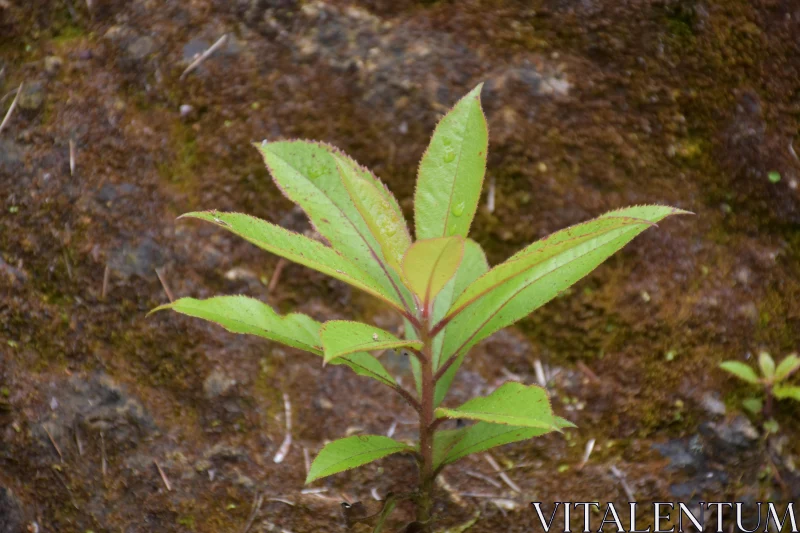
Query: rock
{"type": "Point", "coordinates": [141, 48]}
{"type": "Point", "coordinates": [712, 404]}
{"type": "Point", "coordinates": [97, 405]}
{"type": "Point", "coordinates": [217, 384]}
{"type": "Point", "coordinates": [10, 157]}
{"type": "Point", "coordinates": [52, 65]}
{"type": "Point", "coordinates": [141, 260]}
{"type": "Point", "coordinates": [186, 110]}
{"type": "Point", "coordinates": [730, 437]}
{"type": "Point", "coordinates": [32, 97]}
{"type": "Point", "coordinates": [11, 514]}
{"type": "Point", "coordinates": [110, 192]}
{"type": "Point", "coordinates": [684, 455]}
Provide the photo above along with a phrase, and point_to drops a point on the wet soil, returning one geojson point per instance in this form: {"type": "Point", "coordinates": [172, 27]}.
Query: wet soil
{"type": "Point", "coordinates": [112, 421]}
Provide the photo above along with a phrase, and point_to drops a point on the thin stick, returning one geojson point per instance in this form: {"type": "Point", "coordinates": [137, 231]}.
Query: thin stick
{"type": "Point", "coordinates": [103, 462]}
{"type": "Point", "coordinates": [11, 108]}
{"type": "Point", "coordinates": [540, 377]}
{"type": "Point", "coordinates": [588, 372]}
{"type": "Point", "coordinates": [256, 507]}
{"type": "Point", "coordinates": [392, 429]}
{"type": "Point", "coordinates": [507, 480]}
{"type": "Point", "coordinates": [287, 440]}
{"type": "Point", "coordinates": [586, 454]}
{"type": "Point", "coordinates": [106, 276]}
{"type": "Point", "coordinates": [163, 476]}
{"type": "Point", "coordinates": [483, 477]}
{"type": "Point", "coordinates": [78, 439]}
{"type": "Point", "coordinates": [164, 285]}
{"type": "Point", "coordinates": [71, 157]}
{"type": "Point", "coordinates": [67, 264]}
{"type": "Point", "coordinates": [53, 442]}
{"type": "Point", "coordinates": [205, 55]}
{"type": "Point", "coordinates": [490, 195]}
{"type": "Point", "coordinates": [617, 473]}
{"type": "Point", "coordinates": [306, 459]}
{"type": "Point", "coordinates": [276, 275]}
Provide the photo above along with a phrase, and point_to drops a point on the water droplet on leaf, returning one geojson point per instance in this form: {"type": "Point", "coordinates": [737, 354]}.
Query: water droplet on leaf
{"type": "Point", "coordinates": [449, 156]}
{"type": "Point", "coordinates": [458, 209]}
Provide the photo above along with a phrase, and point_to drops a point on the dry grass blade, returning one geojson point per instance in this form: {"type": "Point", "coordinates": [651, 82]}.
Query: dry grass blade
{"type": "Point", "coordinates": [287, 440]}
{"type": "Point", "coordinates": [205, 55]}
{"type": "Point", "coordinates": [11, 108]}
{"type": "Point", "coordinates": [507, 480]}
{"type": "Point", "coordinates": [163, 476]}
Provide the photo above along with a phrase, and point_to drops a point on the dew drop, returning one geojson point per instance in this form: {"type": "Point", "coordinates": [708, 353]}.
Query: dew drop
{"type": "Point", "coordinates": [449, 156]}
{"type": "Point", "coordinates": [458, 209]}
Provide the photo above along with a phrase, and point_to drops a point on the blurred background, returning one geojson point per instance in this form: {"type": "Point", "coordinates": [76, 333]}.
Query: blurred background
{"type": "Point", "coordinates": [129, 113]}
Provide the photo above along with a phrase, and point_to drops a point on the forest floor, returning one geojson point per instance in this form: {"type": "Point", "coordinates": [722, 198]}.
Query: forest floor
{"type": "Point", "coordinates": [113, 421]}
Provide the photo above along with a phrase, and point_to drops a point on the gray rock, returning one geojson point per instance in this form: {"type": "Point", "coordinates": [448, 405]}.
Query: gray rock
{"type": "Point", "coordinates": [52, 65]}
{"type": "Point", "coordinates": [32, 97]}
{"type": "Point", "coordinates": [10, 156]}
{"type": "Point", "coordinates": [12, 518]}
{"type": "Point", "coordinates": [141, 48]}
{"type": "Point", "coordinates": [731, 436]}
{"type": "Point", "coordinates": [139, 260]}
{"type": "Point", "coordinates": [217, 384]}
{"type": "Point", "coordinates": [713, 405]}
{"type": "Point", "coordinates": [94, 406]}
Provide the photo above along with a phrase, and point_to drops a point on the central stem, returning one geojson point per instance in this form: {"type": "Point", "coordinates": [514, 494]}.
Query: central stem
{"type": "Point", "coordinates": [426, 430]}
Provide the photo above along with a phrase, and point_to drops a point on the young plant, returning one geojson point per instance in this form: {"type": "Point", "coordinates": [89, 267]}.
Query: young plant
{"type": "Point", "coordinates": [440, 283]}
{"type": "Point", "coordinates": [771, 381]}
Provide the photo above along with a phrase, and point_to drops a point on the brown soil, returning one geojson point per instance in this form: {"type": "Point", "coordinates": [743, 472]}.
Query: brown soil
{"type": "Point", "coordinates": [592, 105]}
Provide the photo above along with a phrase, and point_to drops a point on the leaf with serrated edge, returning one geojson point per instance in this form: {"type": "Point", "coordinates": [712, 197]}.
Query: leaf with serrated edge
{"type": "Point", "coordinates": [787, 367]}
{"type": "Point", "coordinates": [351, 452]}
{"type": "Point", "coordinates": [298, 248]}
{"type": "Point", "coordinates": [473, 266]}
{"type": "Point", "coordinates": [512, 403]}
{"type": "Point", "coordinates": [451, 171]}
{"type": "Point", "coordinates": [343, 337]}
{"type": "Point", "coordinates": [782, 392]}
{"type": "Point", "coordinates": [240, 314]}
{"type": "Point", "coordinates": [451, 445]}
{"type": "Point", "coordinates": [538, 273]}
{"type": "Point", "coordinates": [429, 264]}
{"type": "Point", "coordinates": [741, 371]}
{"type": "Point", "coordinates": [307, 173]}
{"type": "Point", "coordinates": [379, 210]}
{"type": "Point", "coordinates": [767, 364]}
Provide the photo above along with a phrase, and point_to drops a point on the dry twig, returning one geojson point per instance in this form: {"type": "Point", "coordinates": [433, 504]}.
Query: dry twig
{"type": "Point", "coordinates": [164, 285]}
{"type": "Point", "coordinates": [287, 440]}
{"type": "Point", "coordinates": [205, 55]}
{"type": "Point", "coordinates": [507, 480]}
{"type": "Point", "coordinates": [163, 476]}
{"type": "Point", "coordinates": [11, 108]}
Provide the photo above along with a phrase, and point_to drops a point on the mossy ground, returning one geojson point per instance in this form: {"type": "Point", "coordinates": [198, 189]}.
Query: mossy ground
{"type": "Point", "coordinates": [683, 102]}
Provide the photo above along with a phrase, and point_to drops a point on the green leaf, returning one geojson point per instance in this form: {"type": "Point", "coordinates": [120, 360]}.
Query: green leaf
{"type": "Point", "coordinates": [451, 171]}
{"type": "Point", "coordinates": [343, 337]}
{"type": "Point", "coordinates": [299, 249]}
{"type": "Point", "coordinates": [512, 403]}
{"type": "Point", "coordinates": [240, 314]}
{"type": "Point", "coordinates": [767, 365]}
{"type": "Point", "coordinates": [429, 264]}
{"type": "Point", "coordinates": [741, 371]}
{"type": "Point", "coordinates": [473, 266]}
{"type": "Point", "coordinates": [451, 445]}
{"type": "Point", "coordinates": [366, 365]}
{"type": "Point", "coordinates": [378, 208]}
{"type": "Point", "coordinates": [308, 174]}
{"type": "Point", "coordinates": [787, 391]}
{"type": "Point", "coordinates": [754, 405]}
{"type": "Point", "coordinates": [541, 271]}
{"type": "Point", "coordinates": [787, 367]}
{"type": "Point", "coordinates": [345, 454]}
